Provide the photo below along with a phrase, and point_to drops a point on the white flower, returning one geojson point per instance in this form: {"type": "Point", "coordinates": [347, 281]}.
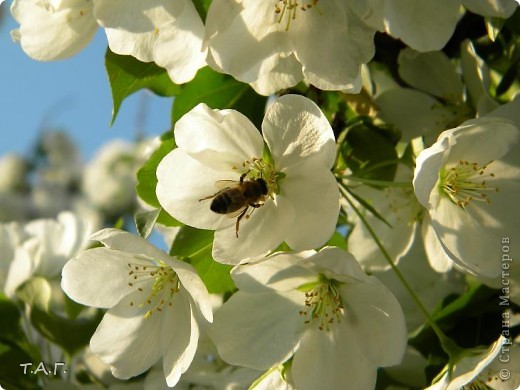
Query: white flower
{"type": "Point", "coordinates": [53, 29]}
{"type": "Point", "coordinates": [468, 184]}
{"type": "Point", "coordinates": [483, 368]}
{"type": "Point", "coordinates": [428, 285]}
{"type": "Point", "coordinates": [424, 25]}
{"type": "Point", "coordinates": [109, 179]}
{"type": "Point", "coordinates": [399, 208]}
{"type": "Point", "coordinates": [62, 159]}
{"type": "Point", "coordinates": [13, 171]}
{"type": "Point", "coordinates": [320, 309]}
{"type": "Point", "coordinates": [275, 44]}
{"type": "Point", "coordinates": [167, 32]}
{"type": "Point", "coordinates": [155, 303]}
{"type": "Point", "coordinates": [11, 235]}
{"type": "Point", "coordinates": [43, 246]}
{"type": "Point", "coordinates": [298, 198]}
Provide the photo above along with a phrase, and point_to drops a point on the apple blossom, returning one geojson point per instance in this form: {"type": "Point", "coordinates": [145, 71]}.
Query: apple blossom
{"type": "Point", "coordinates": [109, 178]}
{"type": "Point", "coordinates": [480, 368]}
{"type": "Point", "coordinates": [275, 45]}
{"type": "Point", "coordinates": [399, 208]}
{"type": "Point", "coordinates": [468, 185]}
{"type": "Point", "coordinates": [13, 172]}
{"type": "Point", "coordinates": [429, 285]}
{"type": "Point", "coordinates": [319, 309]}
{"type": "Point", "coordinates": [155, 303]}
{"type": "Point", "coordinates": [424, 25]}
{"type": "Point", "coordinates": [53, 29]}
{"type": "Point", "coordinates": [167, 32]}
{"type": "Point", "coordinates": [302, 201]}
{"type": "Point", "coordinates": [43, 246]}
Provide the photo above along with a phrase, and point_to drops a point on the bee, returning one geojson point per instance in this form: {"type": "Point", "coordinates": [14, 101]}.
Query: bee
{"type": "Point", "coordinates": [236, 197]}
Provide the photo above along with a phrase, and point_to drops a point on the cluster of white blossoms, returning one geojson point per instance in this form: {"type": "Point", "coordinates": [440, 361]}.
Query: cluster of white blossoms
{"type": "Point", "coordinates": [336, 228]}
{"type": "Point", "coordinates": [287, 168]}
{"type": "Point", "coordinates": [270, 45]}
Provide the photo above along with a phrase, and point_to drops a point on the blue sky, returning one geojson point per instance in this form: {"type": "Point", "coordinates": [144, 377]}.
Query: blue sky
{"type": "Point", "coordinates": [71, 94]}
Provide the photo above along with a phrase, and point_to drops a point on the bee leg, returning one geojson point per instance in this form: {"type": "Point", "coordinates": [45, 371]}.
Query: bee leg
{"type": "Point", "coordinates": [243, 176]}
{"type": "Point", "coordinates": [237, 226]}
{"type": "Point", "coordinates": [209, 197]}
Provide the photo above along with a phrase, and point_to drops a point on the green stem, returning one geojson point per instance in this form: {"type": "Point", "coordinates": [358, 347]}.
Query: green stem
{"type": "Point", "coordinates": [448, 345]}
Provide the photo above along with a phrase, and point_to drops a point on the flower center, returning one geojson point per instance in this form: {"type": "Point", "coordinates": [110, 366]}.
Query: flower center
{"type": "Point", "coordinates": [165, 283]}
{"type": "Point", "coordinates": [477, 384]}
{"type": "Point", "coordinates": [323, 303]}
{"type": "Point", "coordinates": [258, 168]}
{"type": "Point", "coordinates": [466, 182]}
{"type": "Point", "coordinates": [286, 9]}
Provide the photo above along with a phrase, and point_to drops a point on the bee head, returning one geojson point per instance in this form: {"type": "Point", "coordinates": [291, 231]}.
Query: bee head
{"type": "Point", "coordinates": [263, 185]}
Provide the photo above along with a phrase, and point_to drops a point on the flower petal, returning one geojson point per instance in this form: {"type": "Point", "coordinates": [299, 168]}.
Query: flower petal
{"type": "Point", "coordinates": [331, 43]}
{"type": "Point", "coordinates": [331, 360]}
{"type": "Point", "coordinates": [191, 281]}
{"type": "Point", "coordinates": [258, 330]}
{"type": "Point", "coordinates": [219, 139]}
{"type": "Point", "coordinates": [98, 277]}
{"type": "Point", "coordinates": [437, 257]}
{"type": "Point", "coordinates": [53, 31]}
{"type": "Point", "coordinates": [180, 338]}
{"type": "Point", "coordinates": [414, 112]}
{"type": "Point", "coordinates": [178, 47]}
{"type": "Point", "coordinates": [496, 8]}
{"type": "Point", "coordinates": [120, 240]}
{"type": "Point", "coordinates": [285, 72]}
{"type": "Point", "coordinates": [466, 141]}
{"type": "Point", "coordinates": [376, 320]}
{"type": "Point", "coordinates": [182, 182]}
{"type": "Point", "coordinates": [280, 272]}
{"type": "Point", "coordinates": [314, 194]}
{"type": "Point", "coordinates": [398, 206]}
{"type": "Point", "coordinates": [130, 25]}
{"type": "Point", "coordinates": [343, 265]}
{"type": "Point", "coordinates": [431, 72]}
{"type": "Point", "coordinates": [126, 340]}
{"type": "Point", "coordinates": [426, 174]}
{"type": "Point", "coordinates": [245, 39]}
{"type": "Point", "coordinates": [294, 128]}
{"type": "Point", "coordinates": [258, 235]}
{"type": "Point", "coordinates": [460, 229]}
{"type": "Point", "coordinates": [425, 26]}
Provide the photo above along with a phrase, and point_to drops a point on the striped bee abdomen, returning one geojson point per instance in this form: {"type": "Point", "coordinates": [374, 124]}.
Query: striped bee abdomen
{"type": "Point", "coordinates": [227, 201]}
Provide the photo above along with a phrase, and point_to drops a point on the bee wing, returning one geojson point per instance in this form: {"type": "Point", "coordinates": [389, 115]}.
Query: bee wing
{"type": "Point", "coordinates": [235, 214]}
{"type": "Point", "coordinates": [225, 184]}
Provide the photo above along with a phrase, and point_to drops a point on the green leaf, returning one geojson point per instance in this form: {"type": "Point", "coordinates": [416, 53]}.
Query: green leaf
{"type": "Point", "coordinates": [337, 240]}
{"type": "Point", "coordinates": [146, 177]}
{"type": "Point", "coordinates": [128, 75]}
{"type": "Point", "coordinates": [508, 78]}
{"type": "Point", "coordinates": [145, 221]}
{"type": "Point", "coordinates": [194, 245]}
{"type": "Point", "coordinates": [218, 90]}
{"type": "Point", "coordinates": [202, 8]}
{"type": "Point", "coordinates": [471, 319]}
{"type": "Point", "coordinates": [367, 151]}
{"type": "Point", "coordinates": [12, 375]}
{"type": "Point", "coordinates": [15, 349]}
{"type": "Point", "coordinates": [71, 335]}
